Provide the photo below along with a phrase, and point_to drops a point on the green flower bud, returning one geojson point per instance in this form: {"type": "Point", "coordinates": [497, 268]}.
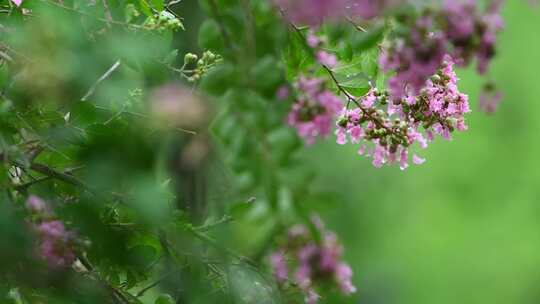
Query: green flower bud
{"type": "Point", "coordinates": [190, 57]}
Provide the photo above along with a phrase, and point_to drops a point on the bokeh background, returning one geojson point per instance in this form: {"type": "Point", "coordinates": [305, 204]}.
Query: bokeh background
{"type": "Point", "coordinates": [465, 226]}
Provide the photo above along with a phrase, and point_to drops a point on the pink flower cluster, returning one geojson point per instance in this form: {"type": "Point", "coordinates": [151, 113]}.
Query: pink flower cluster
{"type": "Point", "coordinates": [413, 58]}
{"type": "Point", "coordinates": [315, 109]}
{"type": "Point", "coordinates": [438, 109]}
{"type": "Point", "coordinates": [306, 262]}
{"type": "Point", "coordinates": [458, 29]}
{"type": "Point", "coordinates": [55, 244]}
{"type": "Point", "coordinates": [473, 34]}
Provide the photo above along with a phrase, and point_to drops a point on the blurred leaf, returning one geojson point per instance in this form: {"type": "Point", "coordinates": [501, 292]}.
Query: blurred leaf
{"type": "Point", "coordinates": [164, 299]}
{"type": "Point", "coordinates": [210, 36]}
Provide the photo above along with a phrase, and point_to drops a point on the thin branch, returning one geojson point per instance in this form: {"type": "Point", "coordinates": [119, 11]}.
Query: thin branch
{"type": "Point", "coordinates": [207, 239]}
{"type": "Point", "coordinates": [6, 57]}
{"type": "Point", "coordinates": [108, 14]}
{"type": "Point", "coordinates": [24, 187]}
{"type": "Point", "coordinates": [223, 220]}
{"type": "Point", "coordinates": [52, 173]}
{"type": "Point", "coordinates": [356, 26]}
{"type": "Point", "coordinates": [101, 79]}
{"type": "Point", "coordinates": [157, 282]}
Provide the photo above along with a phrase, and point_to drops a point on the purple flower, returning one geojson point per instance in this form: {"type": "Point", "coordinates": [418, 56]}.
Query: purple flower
{"type": "Point", "coordinates": [313, 113]}
{"type": "Point", "coordinates": [312, 297]}
{"type": "Point", "coordinates": [343, 276]}
{"type": "Point", "coordinates": [279, 266]}
{"type": "Point", "coordinates": [312, 262]}
{"type": "Point", "coordinates": [438, 108]}
{"type": "Point", "coordinates": [326, 59]}
{"type": "Point", "coordinates": [414, 58]}
{"type": "Point", "coordinates": [312, 40]}
{"type": "Point", "coordinates": [283, 93]}
{"type": "Point", "coordinates": [55, 245]}
{"type": "Point", "coordinates": [36, 204]}
{"type": "Point", "coordinates": [418, 160]}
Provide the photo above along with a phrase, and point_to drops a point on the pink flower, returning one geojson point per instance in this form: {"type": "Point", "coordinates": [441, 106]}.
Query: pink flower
{"type": "Point", "coordinates": [55, 245]}
{"type": "Point", "coordinates": [313, 113]}
{"type": "Point", "coordinates": [312, 40]}
{"type": "Point", "coordinates": [326, 59]}
{"type": "Point", "coordinates": [317, 263]}
{"type": "Point", "coordinates": [279, 265]}
{"type": "Point", "coordinates": [403, 159]}
{"type": "Point", "coordinates": [17, 2]}
{"type": "Point", "coordinates": [343, 277]}
{"type": "Point", "coordinates": [282, 93]}
{"type": "Point", "coordinates": [418, 160]}
{"type": "Point", "coordinates": [36, 204]}
{"type": "Point", "coordinates": [312, 297]}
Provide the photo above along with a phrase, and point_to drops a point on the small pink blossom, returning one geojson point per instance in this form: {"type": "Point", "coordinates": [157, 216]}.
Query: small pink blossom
{"type": "Point", "coordinates": [418, 160]}
{"type": "Point", "coordinates": [326, 59]}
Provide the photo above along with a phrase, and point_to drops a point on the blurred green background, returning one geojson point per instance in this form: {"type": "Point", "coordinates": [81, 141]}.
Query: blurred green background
{"type": "Point", "coordinates": [465, 226]}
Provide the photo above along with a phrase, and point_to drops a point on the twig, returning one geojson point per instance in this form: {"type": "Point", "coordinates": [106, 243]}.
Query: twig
{"type": "Point", "coordinates": [223, 220]}
{"type": "Point", "coordinates": [205, 238]}
{"type": "Point", "coordinates": [145, 289]}
{"type": "Point", "coordinates": [174, 2]}
{"type": "Point", "coordinates": [108, 14]}
{"type": "Point", "coordinates": [23, 187]}
{"type": "Point", "coordinates": [102, 78]}
{"type": "Point", "coordinates": [356, 26]}
{"type": "Point", "coordinates": [6, 56]}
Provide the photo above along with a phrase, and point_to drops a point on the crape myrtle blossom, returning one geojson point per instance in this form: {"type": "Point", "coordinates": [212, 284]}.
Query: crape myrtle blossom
{"type": "Point", "coordinates": [36, 204]}
{"type": "Point", "coordinates": [421, 100]}
{"type": "Point", "coordinates": [413, 58]}
{"type": "Point", "coordinates": [314, 111]}
{"type": "Point", "coordinates": [470, 33]}
{"type": "Point", "coordinates": [306, 262]}
{"type": "Point", "coordinates": [438, 109]}
{"type": "Point", "coordinates": [55, 243]}
{"type": "Point", "coordinates": [458, 29]}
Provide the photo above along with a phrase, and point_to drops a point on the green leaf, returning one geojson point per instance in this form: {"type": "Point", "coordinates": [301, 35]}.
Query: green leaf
{"type": "Point", "coordinates": [219, 79]}
{"type": "Point", "coordinates": [240, 209]}
{"type": "Point", "coordinates": [368, 40]}
{"type": "Point", "coordinates": [266, 74]}
{"type": "Point", "coordinates": [164, 299]}
{"type": "Point", "coordinates": [210, 36]}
